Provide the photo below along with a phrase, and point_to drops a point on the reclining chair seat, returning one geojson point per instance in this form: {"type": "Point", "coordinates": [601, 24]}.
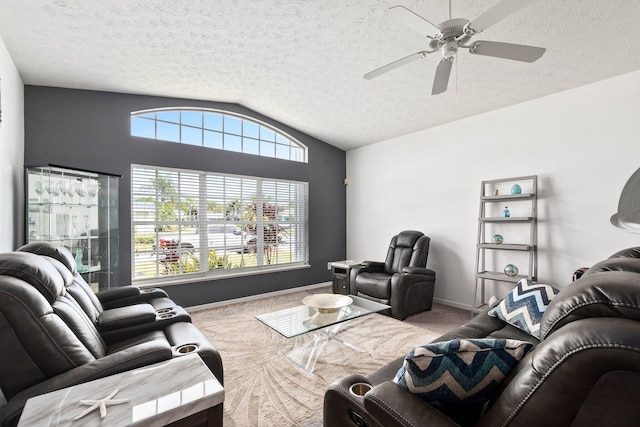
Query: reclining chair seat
{"type": "Point", "coordinates": [374, 284]}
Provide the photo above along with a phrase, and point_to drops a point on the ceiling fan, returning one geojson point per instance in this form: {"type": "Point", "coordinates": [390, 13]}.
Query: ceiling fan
{"type": "Point", "coordinates": [453, 34]}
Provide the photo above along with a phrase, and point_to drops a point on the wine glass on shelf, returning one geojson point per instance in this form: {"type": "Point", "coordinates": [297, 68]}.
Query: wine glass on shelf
{"type": "Point", "coordinates": [47, 189]}
{"type": "Point", "coordinates": [39, 189]}
{"type": "Point", "coordinates": [81, 190]}
{"type": "Point", "coordinates": [67, 191]}
{"type": "Point", "coordinates": [92, 191]}
{"type": "Point", "coordinates": [55, 191]}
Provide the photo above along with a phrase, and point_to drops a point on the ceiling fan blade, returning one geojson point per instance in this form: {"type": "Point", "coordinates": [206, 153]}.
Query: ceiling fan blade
{"type": "Point", "coordinates": [517, 52]}
{"type": "Point", "coordinates": [404, 16]}
{"type": "Point", "coordinates": [496, 13]}
{"type": "Point", "coordinates": [395, 64]}
{"type": "Point", "coordinates": [441, 80]}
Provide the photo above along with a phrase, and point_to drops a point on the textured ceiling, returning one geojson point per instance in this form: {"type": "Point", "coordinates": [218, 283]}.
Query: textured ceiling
{"type": "Point", "coordinates": [301, 61]}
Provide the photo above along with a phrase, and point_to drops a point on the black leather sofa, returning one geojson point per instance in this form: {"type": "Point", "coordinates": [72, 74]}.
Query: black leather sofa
{"type": "Point", "coordinates": [55, 332]}
{"type": "Point", "coordinates": [584, 371]}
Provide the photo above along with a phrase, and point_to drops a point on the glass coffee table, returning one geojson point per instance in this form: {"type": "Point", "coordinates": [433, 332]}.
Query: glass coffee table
{"type": "Point", "coordinates": [300, 320]}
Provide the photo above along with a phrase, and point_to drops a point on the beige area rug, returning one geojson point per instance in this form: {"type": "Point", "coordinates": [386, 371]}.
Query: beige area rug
{"type": "Point", "coordinates": [264, 388]}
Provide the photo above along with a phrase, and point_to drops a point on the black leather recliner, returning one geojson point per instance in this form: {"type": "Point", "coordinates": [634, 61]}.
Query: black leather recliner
{"type": "Point", "coordinates": [131, 310]}
{"type": "Point", "coordinates": [111, 298]}
{"type": "Point", "coordinates": [402, 281]}
{"type": "Point", "coordinates": [584, 372]}
{"type": "Point", "coordinates": [48, 342]}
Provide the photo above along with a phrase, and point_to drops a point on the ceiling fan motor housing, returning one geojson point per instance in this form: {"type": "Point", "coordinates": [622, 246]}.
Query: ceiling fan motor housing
{"type": "Point", "coordinates": [452, 28]}
{"type": "Point", "coordinates": [447, 40]}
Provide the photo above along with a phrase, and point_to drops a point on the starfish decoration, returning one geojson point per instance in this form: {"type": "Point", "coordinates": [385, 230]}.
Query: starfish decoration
{"type": "Point", "coordinates": [102, 404]}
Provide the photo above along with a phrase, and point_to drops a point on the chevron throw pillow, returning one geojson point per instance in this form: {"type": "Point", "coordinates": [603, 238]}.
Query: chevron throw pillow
{"type": "Point", "coordinates": [524, 306]}
{"type": "Point", "coordinates": [459, 372]}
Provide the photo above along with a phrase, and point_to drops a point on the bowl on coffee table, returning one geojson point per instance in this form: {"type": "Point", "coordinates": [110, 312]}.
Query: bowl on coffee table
{"type": "Point", "coordinates": [327, 303]}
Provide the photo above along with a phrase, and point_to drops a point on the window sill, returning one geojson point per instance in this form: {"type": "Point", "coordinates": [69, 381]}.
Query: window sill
{"type": "Point", "coordinates": [204, 277]}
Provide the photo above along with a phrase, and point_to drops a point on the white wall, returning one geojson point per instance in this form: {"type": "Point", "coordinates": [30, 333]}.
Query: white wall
{"type": "Point", "coordinates": [11, 153]}
{"type": "Point", "coordinates": [583, 144]}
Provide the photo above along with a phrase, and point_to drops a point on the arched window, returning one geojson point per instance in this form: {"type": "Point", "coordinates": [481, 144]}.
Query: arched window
{"type": "Point", "coordinates": [216, 129]}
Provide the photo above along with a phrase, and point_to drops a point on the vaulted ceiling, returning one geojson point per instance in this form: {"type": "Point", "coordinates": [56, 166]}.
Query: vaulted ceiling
{"type": "Point", "coordinates": [301, 61]}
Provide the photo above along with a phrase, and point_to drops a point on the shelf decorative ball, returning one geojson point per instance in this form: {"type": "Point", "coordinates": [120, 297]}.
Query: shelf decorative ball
{"type": "Point", "coordinates": [506, 213]}
{"type": "Point", "coordinates": [511, 270]}
{"type": "Point", "coordinates": [497, 239]}
{"type": "Point", "coordinates": [516, 189]}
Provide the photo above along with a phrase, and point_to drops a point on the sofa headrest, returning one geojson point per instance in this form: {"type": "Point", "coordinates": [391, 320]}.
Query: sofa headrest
{"type": "Point", "coordinates": [607, 294]}
{"type": "Point", "coordinates": [67, 277]}
{"type": "Point", "coordinates": [627, 253]}
{"type": "Point", "coordinates": [614, 264]}
{"type": "Point", "coordinates": [52, 250]}
{"type": "Point", "coordinates": [408, 238]}
{"type": "Point", "coordinates": [35, 270]}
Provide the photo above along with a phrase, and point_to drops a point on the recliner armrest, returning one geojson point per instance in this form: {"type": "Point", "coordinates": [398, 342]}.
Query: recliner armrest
{"type": "Point", "coordinates": [393, 406]}
{"type": "Point", "coordinates": [134, 357]}
{"type": "Point", "coordinates": [117, 293]}
{"type": "Point", "coordinates": [123, 317]}
{"type": "Point", "coordinates": [372, 265]}
{"type": "Point", "coordinates": [419, 270]}
{"type": "Point", "coordinates": [128, 295]}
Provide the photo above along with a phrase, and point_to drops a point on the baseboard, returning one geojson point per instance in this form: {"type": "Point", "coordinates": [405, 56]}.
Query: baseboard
{"type": "Point", "coordinates": [452, 303]}
{"type": "Point", "coordinates": [299, 289]}
{"type": "Point", "coordinates": [255, 297]}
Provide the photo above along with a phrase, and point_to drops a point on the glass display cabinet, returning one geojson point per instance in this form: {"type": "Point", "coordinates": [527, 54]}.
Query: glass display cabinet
{"type": "Point", "coordinates": [77, 209]}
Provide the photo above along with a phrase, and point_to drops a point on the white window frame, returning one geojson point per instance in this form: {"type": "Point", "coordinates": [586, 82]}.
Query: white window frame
{"type": "Point", "coordinates": [198, 186]}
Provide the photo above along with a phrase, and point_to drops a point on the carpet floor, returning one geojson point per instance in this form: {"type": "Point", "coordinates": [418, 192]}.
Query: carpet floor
{"type": "Point", "coordinates": [264, 388]}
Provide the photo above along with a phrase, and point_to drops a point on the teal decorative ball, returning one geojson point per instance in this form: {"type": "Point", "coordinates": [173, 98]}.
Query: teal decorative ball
{"type": "Point", "coordinates": [497, 239]}
{"type": "Point", "coordinates": [511, 270]}
{"type": "Point", "coordinates": [516, 189]}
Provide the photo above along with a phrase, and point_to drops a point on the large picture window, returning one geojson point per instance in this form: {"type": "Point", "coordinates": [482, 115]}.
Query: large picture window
{"type": "Point", "coordinates": [218, 130]}
{"type": "Point", "coordinates": [193, 223]}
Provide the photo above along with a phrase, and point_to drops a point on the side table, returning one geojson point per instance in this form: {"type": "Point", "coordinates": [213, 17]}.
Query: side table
{"type": "Point", "coordinates": [341, 271]}
{"type": "Point", "coordinates": [178, 389]}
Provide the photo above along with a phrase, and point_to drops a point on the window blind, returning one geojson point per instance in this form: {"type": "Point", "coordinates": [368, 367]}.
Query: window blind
{"type": "Point", "coordinates": [188, 222]}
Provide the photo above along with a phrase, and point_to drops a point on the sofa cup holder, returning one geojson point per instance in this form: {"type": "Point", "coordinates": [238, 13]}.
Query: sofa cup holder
{"type": "Point", "coordinates": [360, 389]}
{"type": "Point", "coordinates": [166, 315]}
{"type": "Point", "coordinates": [148, 290]}
{"type": "Point", "coordinates": [186, 349]}
{"type": "Point", "coordinates": [164, 310]}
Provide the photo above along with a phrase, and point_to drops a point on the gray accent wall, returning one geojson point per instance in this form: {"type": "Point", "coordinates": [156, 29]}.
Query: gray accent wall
{"type": "Point", "coordinates": [91, 130]}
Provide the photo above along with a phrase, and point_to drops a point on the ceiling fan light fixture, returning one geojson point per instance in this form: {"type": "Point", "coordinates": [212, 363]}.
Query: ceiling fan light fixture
{"type": "Point", "coordinates": [449, 49]}
{"type": "Point", "coordinates": [435, 44]}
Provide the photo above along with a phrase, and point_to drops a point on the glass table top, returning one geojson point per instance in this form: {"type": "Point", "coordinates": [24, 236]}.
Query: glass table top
{"type": "Point", "coordinates": [301, 319]}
